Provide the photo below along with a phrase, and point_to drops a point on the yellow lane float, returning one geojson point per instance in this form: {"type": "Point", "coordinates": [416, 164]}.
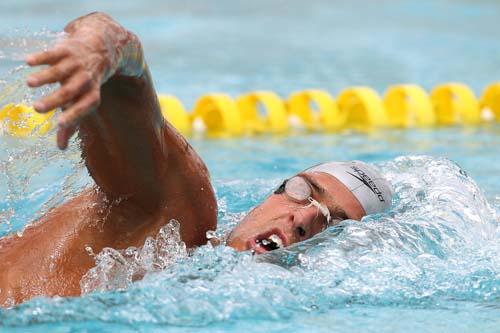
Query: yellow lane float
{"type": "Point", "coordinates": [173, 111]}
{"type": "Point", "coordinates": [455, 103]}
{"type": "Point", "coordinates": [275, 120]}
{"type": "Point", "coordinates": [326, 117]}
{"type": "Point", "coordinates": [490, 100]}
{"type": "Point", "coordinates": [219, 114]}
{"type": "Point", "coordinates": [407, 106]}
{"type": "Point", "coordinates": [362, 108]}
{"type": "Point", "coordinates": [22, 121]}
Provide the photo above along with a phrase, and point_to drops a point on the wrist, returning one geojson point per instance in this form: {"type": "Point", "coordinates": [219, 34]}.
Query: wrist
{"type": "Point", "coordinates": [120, 51]}
{"type": "Point", "coordinates": [131, 57]}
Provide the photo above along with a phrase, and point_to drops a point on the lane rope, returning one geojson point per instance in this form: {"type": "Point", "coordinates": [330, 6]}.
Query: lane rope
{"type": "Point", "coordinates": [360, 108]}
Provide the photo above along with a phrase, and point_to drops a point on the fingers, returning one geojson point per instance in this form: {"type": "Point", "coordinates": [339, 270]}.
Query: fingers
{"type": "Point", "coordinates": [55, 73]}
{"type": "Point", "coordinates": [69, 119]}
{"type": "Point", "coordinates": [78, 95]}
{"type": "Point", "coordinates": [86, 104]}
{"type": "Point", "coordinates": [74, 87]}
{"type": "Point", "coordinates": [63, 136]}
{"type": "Point", "coordinates": [46, 57]}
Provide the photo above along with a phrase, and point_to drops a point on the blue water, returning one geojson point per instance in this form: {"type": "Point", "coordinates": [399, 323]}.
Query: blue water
{"type": "Point", "coordinates": [430, 264]}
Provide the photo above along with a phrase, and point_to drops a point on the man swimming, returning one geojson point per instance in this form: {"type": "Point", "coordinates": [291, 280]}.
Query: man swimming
{"type": "Point", "coordinates": [146, 174]}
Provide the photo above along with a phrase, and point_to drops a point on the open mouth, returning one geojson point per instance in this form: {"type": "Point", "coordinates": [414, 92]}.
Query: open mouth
{"type": "Point", "coordinates": [268, 241]}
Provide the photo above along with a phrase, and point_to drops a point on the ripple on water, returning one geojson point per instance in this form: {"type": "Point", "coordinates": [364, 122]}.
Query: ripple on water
{"type": "Point", "coordinates": [438, 243]}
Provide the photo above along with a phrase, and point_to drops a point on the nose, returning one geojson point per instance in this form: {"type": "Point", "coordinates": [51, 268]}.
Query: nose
{"type": "Point", "coordinates": [302, 224]}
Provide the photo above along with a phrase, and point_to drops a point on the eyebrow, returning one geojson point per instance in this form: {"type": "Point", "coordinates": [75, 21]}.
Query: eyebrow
{"type": "Point", "coordinates": [313, 182]}
{"type": "Point", "coordinates": [334, 208]}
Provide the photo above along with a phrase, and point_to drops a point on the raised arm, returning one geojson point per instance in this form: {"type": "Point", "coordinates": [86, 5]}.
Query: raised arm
{"type": "Point", "coordinates": [107, 94]}
{"type": "Point", "coordinates": [148, 174]}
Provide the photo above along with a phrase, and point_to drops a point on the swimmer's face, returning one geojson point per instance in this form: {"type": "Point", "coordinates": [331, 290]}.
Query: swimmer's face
{"type": "Point", "coordinates": [281, 221]}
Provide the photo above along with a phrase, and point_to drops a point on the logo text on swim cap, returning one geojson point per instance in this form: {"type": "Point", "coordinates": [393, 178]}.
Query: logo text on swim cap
{"type": "Point", "coordinates": [363, 177]}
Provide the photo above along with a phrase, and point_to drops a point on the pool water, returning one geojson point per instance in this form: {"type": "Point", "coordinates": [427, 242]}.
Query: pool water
{"type": "Point", "coordinates": [432, 263]}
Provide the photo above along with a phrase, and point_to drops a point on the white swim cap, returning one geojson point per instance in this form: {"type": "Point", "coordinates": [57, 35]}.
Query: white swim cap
{"type": "Point", "coordinates": [373, 192]}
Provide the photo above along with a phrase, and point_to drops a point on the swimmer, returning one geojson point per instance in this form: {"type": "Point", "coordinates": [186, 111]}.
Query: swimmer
{"type": "Point", "coordinates": [146, 173]}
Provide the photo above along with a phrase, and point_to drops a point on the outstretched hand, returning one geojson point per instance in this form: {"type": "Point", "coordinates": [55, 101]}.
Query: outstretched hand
{"type": "Point", "coordinates": [73, 65]}
{"type": "Point", "coordinates": [80, 63]}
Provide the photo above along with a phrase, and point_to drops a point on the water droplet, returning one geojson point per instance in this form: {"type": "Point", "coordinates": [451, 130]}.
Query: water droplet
{"type": "Point", "coordinates": [116, 269]}
{"type": "Point", "coordinates": [211, 234]}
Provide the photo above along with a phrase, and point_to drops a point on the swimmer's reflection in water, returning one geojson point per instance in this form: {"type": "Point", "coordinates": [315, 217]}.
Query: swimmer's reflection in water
{"type": "Point", "coordinates": [146, 173]}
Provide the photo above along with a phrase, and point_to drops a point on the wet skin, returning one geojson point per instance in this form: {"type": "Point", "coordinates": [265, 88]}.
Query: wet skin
{"type": "Point", "coordinates": [145, 173]}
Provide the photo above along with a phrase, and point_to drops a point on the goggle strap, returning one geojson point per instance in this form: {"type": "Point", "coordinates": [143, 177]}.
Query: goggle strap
{"type": "Point", "coordinates": [325, 211]}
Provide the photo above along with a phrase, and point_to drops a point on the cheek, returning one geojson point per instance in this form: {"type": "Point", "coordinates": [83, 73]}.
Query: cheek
{"type": "Point", "coordinates": [313, 220]}
{"type": "Point", "coordinates": [264, 213]}
{"type": "Point", "coordinates": [318, 227]}
{"type": "Point", "coordinates": [260, 219]}
{"type": "Point", "coordinates": [249, 223]}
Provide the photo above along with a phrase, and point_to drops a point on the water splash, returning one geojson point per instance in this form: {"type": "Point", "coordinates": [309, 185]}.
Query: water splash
{"type": "Point", "coordinates": [439, 244]}
{"type": "Point", "coordinates": [34, 175]}
{"type": "Point", "coordinates": [16, 44]}
{"type": "Point", "coordinates": [117, 269]}
{"type": "Point", "coordinates": [13, 50]}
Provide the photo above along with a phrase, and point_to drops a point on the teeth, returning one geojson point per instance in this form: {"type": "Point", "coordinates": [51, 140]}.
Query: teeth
{"type": "Point", "coordinates": [273, 242]}
{"type": "Point", "coordinates": [277, 240]}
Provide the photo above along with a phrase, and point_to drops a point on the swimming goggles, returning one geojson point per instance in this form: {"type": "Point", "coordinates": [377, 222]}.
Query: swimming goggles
{"type": "Point", "coordinates": [298, 189]}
